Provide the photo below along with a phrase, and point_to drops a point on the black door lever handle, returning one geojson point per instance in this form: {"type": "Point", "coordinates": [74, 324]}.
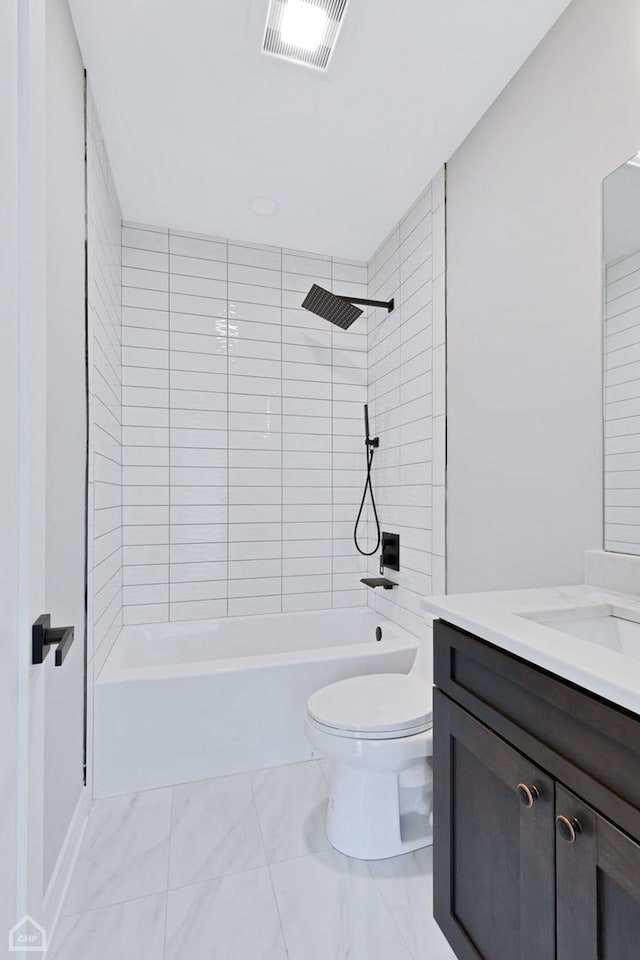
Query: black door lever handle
{"type": "Point", "coordinates": [44, 636]}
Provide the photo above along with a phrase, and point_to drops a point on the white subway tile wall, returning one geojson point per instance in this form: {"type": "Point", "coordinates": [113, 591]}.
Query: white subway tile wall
{"type": "Point", "coordinates": [104, 520]}
{"type": "Point", "coordinates": [622, 405]}
{"type": "Point", "coordinates": [241, 429]}
{"type": "Point", "coordinates": [407, 403]}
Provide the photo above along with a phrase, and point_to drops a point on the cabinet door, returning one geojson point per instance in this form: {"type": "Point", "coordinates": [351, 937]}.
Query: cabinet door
{"type": "Point", "coordinates": [598, 885]}
{"type": "Point", "coordinates": [494, 861]}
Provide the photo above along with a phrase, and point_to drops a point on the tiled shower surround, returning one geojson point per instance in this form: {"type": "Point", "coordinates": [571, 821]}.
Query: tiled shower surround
{"type": "Point", "coordinates": [407, 375]}
{"type": "Point", "coordinates": [104, 527]}
{"type": "Point", "coordinates": [242, 430]}
{"type": "Point", "coordinates": [243, 453]}
{"type": "Point", "coordinates": [104, 331]}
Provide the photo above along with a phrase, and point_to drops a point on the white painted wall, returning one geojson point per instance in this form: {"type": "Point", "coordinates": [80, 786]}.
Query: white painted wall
{"type": "Point", "coordinates": [621, 200]}
{"type": "Point", "coordinates": [524, 304]}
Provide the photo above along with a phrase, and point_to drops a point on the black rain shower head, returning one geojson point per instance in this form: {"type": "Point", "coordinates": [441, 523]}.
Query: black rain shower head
{"type": "Point", "coordinates": [336, 309]}
{"type": "Point", "coordinates": [331, 308]}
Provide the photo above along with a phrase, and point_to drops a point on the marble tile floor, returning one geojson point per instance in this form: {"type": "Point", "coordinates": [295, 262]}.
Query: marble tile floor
{"type": "Point", "coordinates": [239, 868]}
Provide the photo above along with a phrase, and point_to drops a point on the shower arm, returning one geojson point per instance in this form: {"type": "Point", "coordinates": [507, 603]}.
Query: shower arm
{"type": "Point", "coordinates": [387, 304]}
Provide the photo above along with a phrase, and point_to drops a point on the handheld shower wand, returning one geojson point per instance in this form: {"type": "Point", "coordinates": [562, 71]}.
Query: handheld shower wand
{"type": "Point", "coordinates": [371, 445]}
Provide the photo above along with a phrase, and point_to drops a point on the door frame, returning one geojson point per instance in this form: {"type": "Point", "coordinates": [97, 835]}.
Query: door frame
{"type": "Point", "coordinates": [31, 493]}
{"type": "Point", "coordinates": [23, 239]}
{"type": "Point", "coordinates": [9, 476]}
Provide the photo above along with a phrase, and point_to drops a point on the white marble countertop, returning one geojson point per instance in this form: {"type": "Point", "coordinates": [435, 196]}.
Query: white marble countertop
{"type": "Point", "coordinates": [500, 619]}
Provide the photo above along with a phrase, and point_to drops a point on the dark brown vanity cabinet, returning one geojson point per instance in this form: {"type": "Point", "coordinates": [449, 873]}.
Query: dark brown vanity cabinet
{"type": "Point", "coordinates": [493, 854]}
{"type": "Point", "coordinates": [536, 811]}
{"type": "Point", "coordinates": [598, 887]}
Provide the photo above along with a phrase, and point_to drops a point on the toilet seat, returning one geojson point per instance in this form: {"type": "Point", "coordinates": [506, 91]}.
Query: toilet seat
{"type": "Point", "coordinates": [378, 707]}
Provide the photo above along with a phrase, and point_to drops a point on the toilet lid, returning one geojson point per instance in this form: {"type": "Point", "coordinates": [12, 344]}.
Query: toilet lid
{"type": "Point", "coordinates": [383, 703]}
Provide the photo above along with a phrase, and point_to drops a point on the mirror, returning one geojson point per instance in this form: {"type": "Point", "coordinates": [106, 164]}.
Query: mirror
{"type": "Point", "coordinates": [621, 281]}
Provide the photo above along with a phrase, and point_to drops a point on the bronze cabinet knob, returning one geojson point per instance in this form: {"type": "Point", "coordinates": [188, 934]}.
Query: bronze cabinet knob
{"type": "Point", "coordinates": [528, 795]}
{"type": "Point", "coordinates": [568, 828]}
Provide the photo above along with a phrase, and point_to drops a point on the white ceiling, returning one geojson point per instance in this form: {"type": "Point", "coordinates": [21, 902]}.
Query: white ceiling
{"type": "Point", "coordinates": [198, 121]}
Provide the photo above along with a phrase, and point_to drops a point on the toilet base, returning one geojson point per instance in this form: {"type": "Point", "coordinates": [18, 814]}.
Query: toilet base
{"type": "Point", "coordinates": [375, 814]}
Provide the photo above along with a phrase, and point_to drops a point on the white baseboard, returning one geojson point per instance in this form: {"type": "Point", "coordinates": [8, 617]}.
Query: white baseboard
{"type": "Point", "coordinates": [57, 889]}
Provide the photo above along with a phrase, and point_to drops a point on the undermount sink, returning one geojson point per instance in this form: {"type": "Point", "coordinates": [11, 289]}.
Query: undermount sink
{"type": "Point", "coordinates": [611, 626]}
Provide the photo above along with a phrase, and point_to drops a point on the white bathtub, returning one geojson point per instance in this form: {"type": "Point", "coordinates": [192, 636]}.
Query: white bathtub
{"type": "Point", "coordinates": [190, 701]}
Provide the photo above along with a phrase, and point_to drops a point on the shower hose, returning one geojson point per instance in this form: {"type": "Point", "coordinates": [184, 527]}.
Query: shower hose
{"type": "Point", "coordinates": [367, 553]}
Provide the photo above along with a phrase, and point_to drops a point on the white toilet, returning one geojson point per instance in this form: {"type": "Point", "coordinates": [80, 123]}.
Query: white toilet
{"type": "Point", "coordinates": [377, 732]}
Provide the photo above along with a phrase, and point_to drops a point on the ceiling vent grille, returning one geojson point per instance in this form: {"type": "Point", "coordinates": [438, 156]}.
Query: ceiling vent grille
{"type": "Point", "coordinates": [304, 31]}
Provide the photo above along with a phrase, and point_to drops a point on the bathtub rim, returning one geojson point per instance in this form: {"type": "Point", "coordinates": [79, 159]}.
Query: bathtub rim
{"type": "Point", "coordinates": [112, 670]}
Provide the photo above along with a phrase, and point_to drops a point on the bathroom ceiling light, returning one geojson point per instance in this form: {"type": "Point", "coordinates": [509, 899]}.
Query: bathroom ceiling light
{"type": "Point", "coordinates": [303, 25]}
{"type": "Point", "coordinates": [304, 31]}
{"type": "Point", "coordinates": [264, 206]}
